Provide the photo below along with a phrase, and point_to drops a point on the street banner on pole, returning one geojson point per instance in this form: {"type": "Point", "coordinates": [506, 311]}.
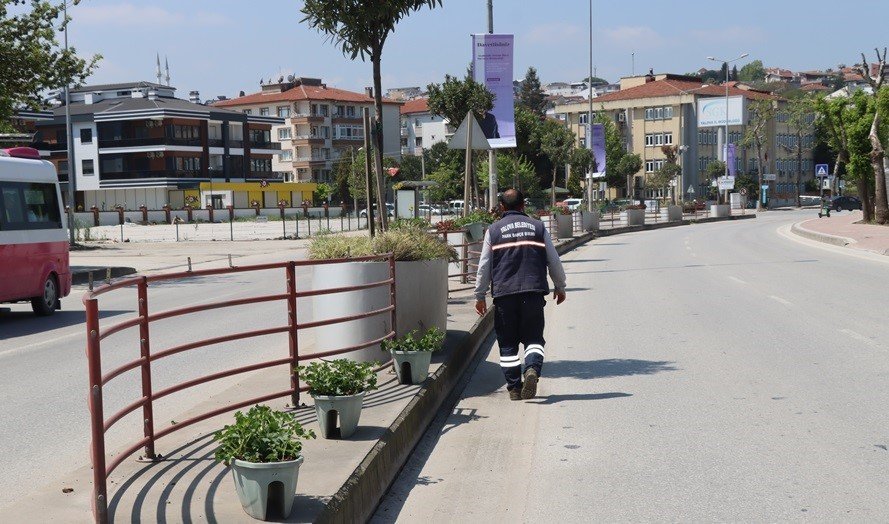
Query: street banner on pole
{"type": "Point", "coordinates": [492, 66]}
{"type": "Point", "coordinates": [730, 159]}
{"type": "Point", "coordinates": [596, 144]}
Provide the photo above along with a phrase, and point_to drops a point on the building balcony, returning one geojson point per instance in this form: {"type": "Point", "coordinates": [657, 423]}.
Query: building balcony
{"type": "Point", "coordinates": [343, 119]}
{"type": "Point", "coordinates": [265, 145]}
{"type": "Point", "coordinates": [308, 139]}
{"type": "Point", "coordinates": [149, 141]}
{"type": "Point", "coordinates": [137, 174]}
{"type": "Point", "coordinates": [304, 118]}
{"type": "Point", "coordinates": [309, 159]}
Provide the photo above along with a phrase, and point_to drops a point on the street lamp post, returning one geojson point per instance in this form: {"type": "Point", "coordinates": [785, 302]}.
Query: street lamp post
{"type": "Point", "coordinates": [70, 135]}
{"type": "Point", "coordinates": [725, 146]}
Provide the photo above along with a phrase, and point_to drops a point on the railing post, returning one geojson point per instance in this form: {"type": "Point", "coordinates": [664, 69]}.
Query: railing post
{"type": "Point", "coordinates": [292, 332]}
{"type": "Point", "coordinates": [392, 291]}
{"type": "Point", "coordinates": [145, 352]}
{"type": "Point", "coordinates": [97, 417]}
{"type": "Point", "coordinates": [464, 254]}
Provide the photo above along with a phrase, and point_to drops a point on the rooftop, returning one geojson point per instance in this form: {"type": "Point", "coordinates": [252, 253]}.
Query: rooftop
{"type": "Point", "coordinates": [302, 92]}
{"type": "Point", "coordinates": [417, 105]}
{"type": "Point", "coordinates": [120, 87]}
{"type": "Point", "coordinates": [672, 85]}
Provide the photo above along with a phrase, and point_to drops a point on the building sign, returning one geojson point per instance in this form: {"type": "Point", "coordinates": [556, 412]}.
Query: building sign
{"type": "Point", "coordinates": [596, 144]}
{"type": "Point", "coordinates": [492, 66]}
{"type": "Point", "coordinates": [726, 183]}
{"type": "Point", "coordinates": [711, 111]}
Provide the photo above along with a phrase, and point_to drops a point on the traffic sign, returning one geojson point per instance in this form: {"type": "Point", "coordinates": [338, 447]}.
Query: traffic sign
{"type": "Point", "coordinates": [821, 170]}
{"type": "Point", "coordinates": [691, 189]}
{"type": "Point", "coordinates": [842, 184]}
{"type": "Point", "coordinates": [769, 177]}
{"type": "Point", "coordinates": [726, 183]}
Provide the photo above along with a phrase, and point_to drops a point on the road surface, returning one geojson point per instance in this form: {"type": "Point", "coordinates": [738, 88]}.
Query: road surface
{"type": "Point", "coordinates": [716, 372]}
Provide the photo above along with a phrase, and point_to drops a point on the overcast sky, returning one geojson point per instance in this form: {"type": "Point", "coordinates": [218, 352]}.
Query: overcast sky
{"type": "Point", "coordinates": [223, 46]}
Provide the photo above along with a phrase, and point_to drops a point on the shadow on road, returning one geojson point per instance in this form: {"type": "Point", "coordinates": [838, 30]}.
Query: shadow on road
{"type": "Point", "coordinates": [612, 367]}
{"type": "Point", "coordinates": [24, 323]}
{"type": "Point", "coordinates": [553, 399]}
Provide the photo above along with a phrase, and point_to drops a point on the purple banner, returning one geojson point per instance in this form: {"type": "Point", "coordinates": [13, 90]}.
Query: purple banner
{"type": "Point", "coordinates": [596, 144]}
{"type": "Point", "coordinates": [492, 66]}
{"type": "Point", "coordinates": [730, 159]}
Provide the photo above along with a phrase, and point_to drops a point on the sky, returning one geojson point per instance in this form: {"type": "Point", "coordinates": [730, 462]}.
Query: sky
{"type": "Point", "coordinates": [221, 47]}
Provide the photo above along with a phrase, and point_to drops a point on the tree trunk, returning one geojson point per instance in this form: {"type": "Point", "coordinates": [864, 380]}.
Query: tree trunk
{"type": "Point", "coordinates": [758, 191]}
{"type": "Point", "coordinates": [881, 211]}
{"type": "Point", "coordinates": [378, 154]}
{"type": "Point", "coordinates": [799, 167]}
{"type": "Point", "coordinates": [553, 189]}
{"type": "Point", "coordinates": [865, 200]}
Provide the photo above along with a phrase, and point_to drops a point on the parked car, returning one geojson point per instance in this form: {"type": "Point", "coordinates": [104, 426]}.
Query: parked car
{"type": "Point", "coordinates": [456, 206]}
{"type": "Point", "coordinates": [434, 209]}
{"type": "Point", "coordinates": [848, 203]}
{"type": "Point", "coordinates": [390, 211]}
{"type": "Point", "coordinates": [571, 203]}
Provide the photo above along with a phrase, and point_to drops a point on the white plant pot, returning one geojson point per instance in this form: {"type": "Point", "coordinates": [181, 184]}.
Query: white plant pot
{"type": "Point", "coordinates": [633, 217]}
{"type": "Point", "coordinates": [348, 411]}
{"type": "Point", "coordinates": [674, 213]}
{"type": "Point", "coordinates": [412, 367]}
{"type": "Point", "coordinates": [254, 480]}
{"type": "Point", "coordinates": [564, 225]}
{"type": "Point", "coordinates": [337, 305]}
{"type": "Point", "coordinates": [720, 210]}
{"type": "Point", "coordinates": [589, 220]}
{"type": "Point", "coordinates": [421, 296]}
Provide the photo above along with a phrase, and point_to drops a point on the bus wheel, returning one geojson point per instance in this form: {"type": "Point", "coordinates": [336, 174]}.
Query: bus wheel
{"type": "Point", "coordinates": [46, 305]}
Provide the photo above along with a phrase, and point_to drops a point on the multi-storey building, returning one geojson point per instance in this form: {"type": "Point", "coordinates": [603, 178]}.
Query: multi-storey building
{"type": "Point", "coordinates": [320, 125]}
{"type": "Point", "coordinates": [420, 129]}
{"type": "Point", "coordinates": [137, 144]}
{"type": "Point", "coordinates": [656, 110]}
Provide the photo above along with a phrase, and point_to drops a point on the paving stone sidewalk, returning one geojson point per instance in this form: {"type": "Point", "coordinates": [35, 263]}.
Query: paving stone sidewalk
{"type": "Point", "coordinates": [846, 230]}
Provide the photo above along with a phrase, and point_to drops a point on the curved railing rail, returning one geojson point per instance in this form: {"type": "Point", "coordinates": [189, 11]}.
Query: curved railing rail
{"type": "Point", "coordinates": [97, 379]}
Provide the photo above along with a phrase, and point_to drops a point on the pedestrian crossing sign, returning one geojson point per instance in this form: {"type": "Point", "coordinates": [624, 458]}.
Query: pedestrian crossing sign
{"type": "Point", "coordinates": [821, 170]}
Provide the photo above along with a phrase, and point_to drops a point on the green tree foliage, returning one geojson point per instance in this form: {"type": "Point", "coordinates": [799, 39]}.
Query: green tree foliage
{"type": "Point", "coordinates": [441, 155]}
{"type": "Point", "coordinates": [628, 165]}
{"type": "Point", "coordinates": [324, 191]}
{"type": "Point", "coordinates": [734, 73]}
{"type": "Point", "coordinates": [453, 98]}
{"type": "Point", "coordinates": [349, 175]}
{"type": "Point", "coordinates": [360, 30]}
{"type": "Point", "coordinates": [555, 141]}
{"type": "Point", "coordinates": [449, 183]}
{"type": "Point", "coordinates": [410, 168]}
{"type": "Point", "coordinates": [715, 169]}
{"type": "Point", "coordinates": [762, 113]}
{"type": "Point", "coordinates": [800, 117]}
{"type": "Point", "coordinates": [531, 94]}
{"type": "Point", "coordinates": [512, 171]}
{"type": "Point", "coordinates": [752, 72]}
{"type": "Point", "coordinates": [31, 61]}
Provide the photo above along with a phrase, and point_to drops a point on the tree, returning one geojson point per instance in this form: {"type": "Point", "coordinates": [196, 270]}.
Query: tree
{"type": "Point", "coordinates": [31, 61]}
{"type": "Point", "coordinates": [723, 72]}
{"type": "Point", "coordinates": [360, 29]}
{"type": "Point", "coordinates": [441, 155]}
{"type": "Point", "coordinates": [734, 75]}
{"type": "Point", "coordinates": [628, 166]}
{"type": "Point", "coordinates": [580, 159]}
{"type": "Point", "coordinates": [596, 81]}
{"type": "Point", "coordinates": [662, 178]}
{"type": "Point", "coordinates": [516, 172]}
{"type": "Point", "coordinates": [800, 115]}
{"type": "Point", "coordinates": [762, 113]}
{"type": "Point", "coordinates": [752, 72]}
{"type": "Point", "coordinates": [881, 204]}
{"type": "Point", "coordinates": [324, 191]}
{"type": "Point", "coordinates": [714, 170]}
{"type": "Point", "coordinates": [453, 98]}
{"type": "Point", "coordinates": [351, 171]}
{"type": "Point", "coordinates": [531, 95]}
{"type": "Point", "coordinates": [411, 167]}
{"type": "Point", "coordinates": [449, 183]}
{"type": "Point", "coordinates": [556, 142]}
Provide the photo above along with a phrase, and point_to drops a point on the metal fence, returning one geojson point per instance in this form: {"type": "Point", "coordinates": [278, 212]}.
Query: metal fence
{"type": "Point", "coordinates": [144, 320]}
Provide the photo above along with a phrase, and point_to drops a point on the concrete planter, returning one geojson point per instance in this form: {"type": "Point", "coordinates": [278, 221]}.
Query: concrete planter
{"type": "Point", "coordinates": [674, 213]}
{"type": "Point", "coordinates": [589, 220]}
{"type": "Point", "coordinates": [421, 295]}
{"type": "Point", "coordinates": [476, 231]}
{"type": "Point", "coordinates": [720, 210]}
{"type": "Point", "coordinates": [564, 225]}
{"type": "Point", "coordinates": [346, 409]}
{"type": "Point", "coordinates": [633, 217]}
{"type": "Point", "coordinates": [255, 480]}
{"type": "Point", "coordinates": [412, 367]}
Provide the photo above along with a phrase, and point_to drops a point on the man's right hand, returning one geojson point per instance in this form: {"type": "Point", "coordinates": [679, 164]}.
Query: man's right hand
{"type": "Point", "coordinates": [481, 307]}
{"type": "Point", "coordinates": [559, 297]}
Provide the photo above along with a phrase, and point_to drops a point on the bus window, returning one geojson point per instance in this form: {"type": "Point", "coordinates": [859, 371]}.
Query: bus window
{"type": "Point", "coordinates": [29, 206]}
{"type": "Point", "coordinates": [13, 211]}
{"type": "Point", "coordinates": [43, 209]}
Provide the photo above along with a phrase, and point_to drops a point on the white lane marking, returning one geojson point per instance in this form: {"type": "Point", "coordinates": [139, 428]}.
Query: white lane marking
{"type": "Point", "coordinates": [738, 280]}
{"type": "Point", "coordinates": [688, 248]}
{"type": "Point", "coordinates": [21, 349]}
{"type": "Point", "coordinates": [779, 299]}
{"type": "Point", "coordinates": [859, 337]}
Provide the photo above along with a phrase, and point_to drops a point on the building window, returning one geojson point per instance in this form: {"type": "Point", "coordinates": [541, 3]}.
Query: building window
{"type": "Point", "coordinates": [350, 111]}
{"type": "Point", "coordinates": [314, 110]}
{"type": "Point", "coordinates": [260, 136]}
{"type": "Point", "coordinates": [649, 139]}
{"type": "Point", "coordinates": [324, 109]}
{"type": "Point", "coordinates": [668, 139]}
{"type": "Point", "coordinates": [86, 136]}
{"type": "Point", "coordinates": [286, 155]}
{"type": "Point", "coordinates": [260, 165]}
{"type": "Point", "coordinates": [264, 111]}
{"type": "Point", "coordinates": [583, 119]}
{"type": "Point", "coordinates": [283, 111]}
{"type": "Point", "coordinates": [248, 111]}
{"type": "Point", "coordinates": [86, 166]}
{"type": "Point", "coordinates": [340, 111]}
{"type": "Point", "coordinates": [188, 164]}
{"type": "Point", "coordinates": [325, 132]}
{"type": "Point", "coordinates": [283, 133]}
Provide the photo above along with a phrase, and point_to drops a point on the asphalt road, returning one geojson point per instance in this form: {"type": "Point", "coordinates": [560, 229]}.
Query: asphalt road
{"type": "Point", "coordinates": [716, 372]}
{"type": "Point", "coordinates": [44, 421]}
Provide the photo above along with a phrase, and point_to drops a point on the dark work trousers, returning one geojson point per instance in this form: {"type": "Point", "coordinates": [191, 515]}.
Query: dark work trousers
{"type": "Point", "coordinates": [518, 319]}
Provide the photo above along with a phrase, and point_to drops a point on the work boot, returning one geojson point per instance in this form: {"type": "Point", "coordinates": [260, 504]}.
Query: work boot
{"type": "Point", "coordinates": [529, 387]}
{"type": "Point", "coordinates": [515, 394]}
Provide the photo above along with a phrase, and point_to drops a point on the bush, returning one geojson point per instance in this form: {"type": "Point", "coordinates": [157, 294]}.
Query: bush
{"type": "Point", "coordinates": [340, 377]}
{"type": "Point", "coordinates": [262, 435]}
{"type": "Point", "coordinates": [410, 223]}
{"type": "Point", "coordinates": [635, 206]}
{"type": "Point", "coordinates": [479, 215]}
{"type": "Point", "coordinates": [413, 244]}
{"type": "Point", "coordinates": [339, 246]}
{"type": "Point", "coordinates": [446, 225]}
{"type": "Point", "coordinates": [430, 341]}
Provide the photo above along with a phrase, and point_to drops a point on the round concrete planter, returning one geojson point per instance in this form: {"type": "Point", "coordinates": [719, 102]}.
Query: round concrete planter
{"type": "Point", "coordinates": [589, 220]}
{"type": "Point", "coordinates": [421, 295]}
{"type": "Point", "coordinates": [346, 409]}
{"type": "Point", "coordinates": [564, 225]}
{"type": "Point", "coordinates": [633, 217]}
{"type": "Point", "coordinates": [412, 367]}
{"type": "Point", "coordinates": [337, 305]}
{"type": "Point", "coordinates": [720, 210]}
{"type": "Point", "coordinates": [255, 481]}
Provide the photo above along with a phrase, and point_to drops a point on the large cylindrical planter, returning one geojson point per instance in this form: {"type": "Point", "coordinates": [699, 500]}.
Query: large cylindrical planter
{"type": "Point", "coordinates": [674, 213]}
{"type": "Point", "coordinates": [254, 480]}
{"type": "Point", "coordinates": [337, 305]}
{"type": "Point", "coordinates": [633, 217]}
{"type": "Point", "coordinates": [720, 210]}
{"type": "Point", "coordinates": [476, 231]}
{"type": "Point", "coordinates": [564, 225]}
{"type": "Point", "coordinates": [421, 295]}
{"type": "Point", "coordinates": [412, 367]}
{"type": "Point", "coordinates": [589, 220]}
{"type": "Point", "coordinates": [346, 409]}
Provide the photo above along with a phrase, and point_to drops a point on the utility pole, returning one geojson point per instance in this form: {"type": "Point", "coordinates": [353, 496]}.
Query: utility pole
{"type": "Point", "coordinates": [367, 184]}
{"type": "Point", "coordinates": [467, 174]}
{"type": "Point", "coordinates": [589, 118]}
{"type": "Point", "coordinates": [492, 153]}
{"type": "Point", "coordinates": [69, 131]}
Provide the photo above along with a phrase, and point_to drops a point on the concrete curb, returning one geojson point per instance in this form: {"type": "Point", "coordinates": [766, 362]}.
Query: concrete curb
{"type": "Point", "coordinates": [82, 275]}
{"type": "Point", "coordinates": [662, 225]}
{"type": "Point", "coordinates": [820, 237]}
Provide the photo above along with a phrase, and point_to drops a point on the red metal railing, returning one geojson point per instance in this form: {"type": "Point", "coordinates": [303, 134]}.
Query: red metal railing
{"type": "Point", "coordinates": [468, 254]}
{"type": "Point", "coordinates": [100, 425]}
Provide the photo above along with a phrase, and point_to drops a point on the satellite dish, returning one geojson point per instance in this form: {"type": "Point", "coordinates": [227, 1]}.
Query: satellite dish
{"type": "Point", "coordinates": [291, 78]}
{"type": "Point", "coordinates": [280, 79]}
{"type": "Point", "coordinates": [241, 93]}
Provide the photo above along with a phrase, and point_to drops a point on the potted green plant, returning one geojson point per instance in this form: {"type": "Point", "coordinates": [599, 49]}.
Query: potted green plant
{"type": "Point", "coordinates": [475, 223]}
{"type": "Point", "coordinates": [412, 354]}
{"type": "Point", "coordinates": [264, 449]}
{"type": "Point", "coordinates": [338, 387]}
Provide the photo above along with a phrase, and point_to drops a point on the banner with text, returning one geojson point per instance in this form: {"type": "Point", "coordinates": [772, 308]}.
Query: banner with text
{"type": "Point", "coordinates": [731, 159]}
{"type": "Point", "coordinates": [596, 144]}
{"type": "Point", "coordinates": [492, 57]}
{"type": "Point", "coordinates": [712, 111]}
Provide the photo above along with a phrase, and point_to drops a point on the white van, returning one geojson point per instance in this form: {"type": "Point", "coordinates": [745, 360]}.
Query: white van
{"type": "Point", "coordinates": [456, 206]}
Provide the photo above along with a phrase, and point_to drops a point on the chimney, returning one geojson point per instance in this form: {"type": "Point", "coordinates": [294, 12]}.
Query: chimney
{"type": "Point", "coordinates": [369, 91]}
{"type": "Point", "coordinates": [89, 98]}
{"type": "Point", "coordinates": [194, 97]}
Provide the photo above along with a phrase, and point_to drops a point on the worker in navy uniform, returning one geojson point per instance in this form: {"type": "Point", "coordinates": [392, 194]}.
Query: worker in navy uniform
{"type": "Point", "coordinates": [516, 254]}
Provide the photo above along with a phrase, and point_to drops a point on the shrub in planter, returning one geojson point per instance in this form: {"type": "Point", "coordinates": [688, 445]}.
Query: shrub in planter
{"type": "Point", "coordinates": [413, 353]}
{"type": "Point", "coordinates": [338, 387]}
{"type": "Point", "coordinates": [264, 449]}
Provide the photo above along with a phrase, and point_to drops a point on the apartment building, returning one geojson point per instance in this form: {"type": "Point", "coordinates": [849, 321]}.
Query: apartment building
{"type": "Point", "coordinates": [420, 129]}
{"type": "Point", "coordinates": [656, 110]}
{"type": "Point", "coordinates": [320, 125]}
{"type": "Point", "coordinates": [136, 144]}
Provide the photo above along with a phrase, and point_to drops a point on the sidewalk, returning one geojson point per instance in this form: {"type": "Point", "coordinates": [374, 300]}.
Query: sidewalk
{"type": "Point", "coordinates": [842, 229]}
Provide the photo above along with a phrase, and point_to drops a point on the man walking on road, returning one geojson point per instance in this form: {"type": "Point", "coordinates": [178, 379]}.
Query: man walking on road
{"type": "Point", "coordinates": [515, 256]}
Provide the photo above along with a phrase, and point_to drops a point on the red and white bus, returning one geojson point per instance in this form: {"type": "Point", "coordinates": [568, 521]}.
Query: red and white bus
{"type": "Point", "coordinates": [33, 233]}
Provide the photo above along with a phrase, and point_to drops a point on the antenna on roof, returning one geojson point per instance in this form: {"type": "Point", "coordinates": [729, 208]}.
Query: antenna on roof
{"type": "Point", "coordinates": [158, 72]}
{"type": "Point", "coordinates": [167, 65]}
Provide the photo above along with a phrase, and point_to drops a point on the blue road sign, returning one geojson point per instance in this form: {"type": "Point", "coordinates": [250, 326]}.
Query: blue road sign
{"type": "Point", "coordinates": [821, 170]}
